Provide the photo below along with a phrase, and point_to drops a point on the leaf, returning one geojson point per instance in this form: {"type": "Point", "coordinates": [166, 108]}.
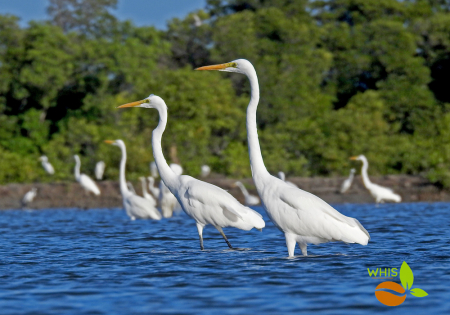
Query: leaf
{"type": "Point", "coordinates": [418, 292]}
{"type": "Point", "coordinates": [406, 276]}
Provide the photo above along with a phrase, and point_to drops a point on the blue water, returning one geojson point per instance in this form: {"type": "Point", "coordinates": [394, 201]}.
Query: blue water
{"type": "Point", "coordinates": [70, 261]}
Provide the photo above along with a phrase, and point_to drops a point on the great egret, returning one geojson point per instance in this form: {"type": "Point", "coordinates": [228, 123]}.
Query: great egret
{"type": "Point", "coordinates": [151, 186]}
{"type": "Point", "coordinates": [283, 178]}
{"type": "Point", "coordinates": [250, 200]}
{"type": "Point", "coordinates": [85, 181]}
{"type": "Point", "coordinates": [302, 217]}
{"type": "Point", "coordinates": [135, 206]}
{"type": "Point", "coordinates": [205, 170]}
{"type": "Point", "coordinates": [154, 170]}
{"type": "Point", "coordinates": [205, 203]}
{"type": "Point", "coordinates": [145, 192]}
{"type": "Point", "coordinates": [29, 197]}
{"type": "Point", "coordinates": [379, 193]}
{"type": "Point", "coordinates": [167, 201]}
{"type": "Point", "coordinates": [346, 184]}
{"type": "Point", "coordinates": [46, 165]}
{"type": "Point", "coordinates": [99, 170]}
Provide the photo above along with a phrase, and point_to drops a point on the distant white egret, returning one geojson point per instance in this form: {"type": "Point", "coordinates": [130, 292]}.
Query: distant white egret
{"type": "Point", "coordinates": [346, 184]}
{"type": "Point", "coordinates": [379, 193]}
{"type": "Point", "coordinates": [205, 171]}
{"type": "Point", "coordinates": [85, 181]}
{"type": "Point", "coordinates": [302, 217]}
{"type": "Point", "coordinates": [154, 170]}
{"type": "Point", "coordinates": [250, 200]}
{"type": "Point", "coordinates": [145, 192]}
{"type": "Point", "coordinates": [29, 197]}
{"type": "Point", "coordinates": [151, 186]}
{"type": "Point", "coordinates": [46, 165]}
{"type": "Point", "coordinates": [135, 206]}
{"type": "Point", "coordinates": [205, 203]}
{"type": "Point", "coordinates": [197, 21]}
{"type": "Point", "coordinates": [167, 201]}
{"type": "Point", "coordinates": [131, 188]}
{"type": "Point", "coordinates": [282, 176]}
{"type": "Point", "coordinates": [99, 170]}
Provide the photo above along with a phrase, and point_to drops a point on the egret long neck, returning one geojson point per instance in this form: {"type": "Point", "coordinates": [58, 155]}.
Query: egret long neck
{"type": "Point", "coordinates": [123, 162]}
{"type": "Point", "coordinates": [256, 160]}
{"type": "Point", "coordinates": [167, 175]}
{"type": "Point", "coordinates": [364, 174]}
{"type": "Point", "coordinates": [144, 189]}
{"type": "Point", "coordinates": [244, 190]}
{"type": "Point", "coordinates": [77, 168]}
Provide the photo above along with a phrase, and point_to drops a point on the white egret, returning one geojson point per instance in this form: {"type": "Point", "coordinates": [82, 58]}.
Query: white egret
{"type": "Point", "coordinates": [29, 197]}
{"type": "Point", "coordinates": [205, 203]}
{"type": "Point", "coordinates": [151, 186]}
{"type": "Point", "coordinates": [282, 176]}
{"type": "Point", "coordinates": [99, 170]}
{"type": "Point", "coordinates": [205, 171]}
{"type": "Point", "coordinates": [154, 170]}
{"type": "Point", "coordinates": [135, 206]}
{"type": "Point", "coordinates": [302, 217]}
{"type": "Point", "coordinates": [131, 188]}
{"type": "Point", "coordinates": [379, 193]}
{"type": "Point", "coordinates": [46, 165]}
{"type": "Point", "coordinates": [145, 193]}
{"type": "Point", "coordinates": [167, 200]}
{"type": "Point", "coordinates": [346, 184]}
{"type": "Point", "coordinates": [85, 181]}
{"type": "Point", "coordinates": [250, 200]}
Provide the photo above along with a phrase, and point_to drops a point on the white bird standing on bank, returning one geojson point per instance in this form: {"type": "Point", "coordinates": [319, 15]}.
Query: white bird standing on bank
{"type": "Point", "coordinates": [346, 184]}
{"type": "Point", "coordinates": [99, 170]}
{"type": "Point", "coordinates": [29, 197]}
{"type": "Point", "coordinates": [167, 201]}
{"type": "Point", "coordinates": [145, 193]}
{"type": "Point", "coordinates": [151, 186]}
{"type": "Point", "coordinates": [302, 217]}
{"type": "Point", "coordinates": [283, 178]}
{"type": "Point", "coordinates": [154, 170]}
{"type": "Point", "coordinates": [135, 206]}
{"type": "Point", "coordinates": [205, 171]}
{"type": "Point", "coordinates": [380, 193]}
{"type": "Point", "coordinates": [205, 203]}
{"type": "Point", "coordinates": [85, 181]}
{"type": "Point", "coordinates": [250, 200]}
{"type": "Point", "coordinates": [46, 165]}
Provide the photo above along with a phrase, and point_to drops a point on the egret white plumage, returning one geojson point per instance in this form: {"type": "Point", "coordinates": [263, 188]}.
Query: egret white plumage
{"type": "Point", "coordinates": [135, 206]}
{"type": "Point", "coordinates": [99, 170]}
{"type": "Point", "coordinates": [250, 200]}
{"type": "Point", "coordinates": [282, 176]}
{"type": "Point", "coordinates": [167, 201]}
{"type": "Point", "coordinates": [346, 184]}
{"type": "Point", "coordinates": [205, 203]}
{"type": "Point", "coordinates": [302, 217]}
{"type": "Point", "coordinates": [205, 171]}
{"type": "Point", "coordinates": [154, 170]}
{"type": "Point", "coordinates": [145, 193]}
{"type": "Point", "coordinates": [379, 193]}
{"type": "Point", "coordinates": [46, 165]}
{"type": "Point", "coordinates": [151, 186]}
{"type": "Point", "coordinates": [29, 197]}
{"type": "Point", "coordinates": [85, 181]}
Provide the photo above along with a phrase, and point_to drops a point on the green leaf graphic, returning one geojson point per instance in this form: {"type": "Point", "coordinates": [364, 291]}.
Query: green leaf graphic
{"type": "Point", "coordinates": [418, 292]}
{"type": "Point", "coordinates": [406, 276]}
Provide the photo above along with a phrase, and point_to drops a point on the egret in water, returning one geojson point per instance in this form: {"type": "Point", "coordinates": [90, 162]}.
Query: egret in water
{"type": "Point", "coordinates": [99, 170]}
{"type": "Point", "coordinates": [283, 178]}
{"type": "Point", "coordinates": [145, 193]}
{"type": "Point", "coordinates": [85, 181]}
{"type": "Point", "coordinates": [167, 200]}
{"type": "Point", "coordinates": [151, 186]}
{"type": "Point", "coordinates": [250, 200]}
{"type": "Point", "coordinates": [154, 170]}
{"type": "Point", "coordinates": [204, 202]}
{"type": "Point", "coordinates": [135, 206]}
{"type": "Point", "coordinates": [346, 184]}
{"type": "Point", "coordinates": [29, 197]}
{"type": "Point", "coordinates": [379, 193]}
{"type": "Point", "coordinates": [302, 217]}
{"type": "Point", "coordinates": [205, 171]}
{"type": "Point", "coordinates": [46, 165]}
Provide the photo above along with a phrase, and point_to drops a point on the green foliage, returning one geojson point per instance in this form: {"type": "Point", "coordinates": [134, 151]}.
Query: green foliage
{"type": "Point", "coordinates": [337, 78]}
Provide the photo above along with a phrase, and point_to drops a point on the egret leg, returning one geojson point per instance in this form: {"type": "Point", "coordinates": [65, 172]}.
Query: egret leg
{"type": "Point", "coordinates": [290, 243]}
{"type": "Point", "coordinates": [223, 235]}
{"type": "Point", "coordinates": [303, 247]}
{"type": "Point", "coordinates": [200, 234]}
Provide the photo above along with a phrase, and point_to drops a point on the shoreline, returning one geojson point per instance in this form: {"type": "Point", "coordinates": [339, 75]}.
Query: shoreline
{"type": "Point", "coordinates": [71, 195]}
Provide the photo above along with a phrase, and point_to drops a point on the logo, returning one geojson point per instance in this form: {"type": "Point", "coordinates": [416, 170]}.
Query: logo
{"type": "Point", "coordinates": [407, 280]}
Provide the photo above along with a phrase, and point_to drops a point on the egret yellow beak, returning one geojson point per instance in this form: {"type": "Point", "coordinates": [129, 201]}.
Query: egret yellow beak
{"type": "Point", "coordinates": [354, 158]}
{"type": "Point", "coordinates": [109, 141]}
{"type": "Point", "coordinates": [132, 104]}
{"type": "Point", "coordinates": [218, 67]}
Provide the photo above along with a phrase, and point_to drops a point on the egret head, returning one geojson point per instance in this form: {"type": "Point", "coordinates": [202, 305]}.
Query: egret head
{"type": "Point", "coordinates": [237, 184]}
{"type": "Point", "coordinates": [239, 65]}
{"type": "Point", "coordinates": [117, 142]}
{"type": "Point", "coordinates": [152, 101]}
{"type": "Point", "coordinates": [43, 159]}
{"type": "Point", "coordinates": [358, 158]}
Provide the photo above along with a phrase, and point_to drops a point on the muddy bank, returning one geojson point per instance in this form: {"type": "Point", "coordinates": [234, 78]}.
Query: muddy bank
{"type": "Point", "coordinates": [71, 195]}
